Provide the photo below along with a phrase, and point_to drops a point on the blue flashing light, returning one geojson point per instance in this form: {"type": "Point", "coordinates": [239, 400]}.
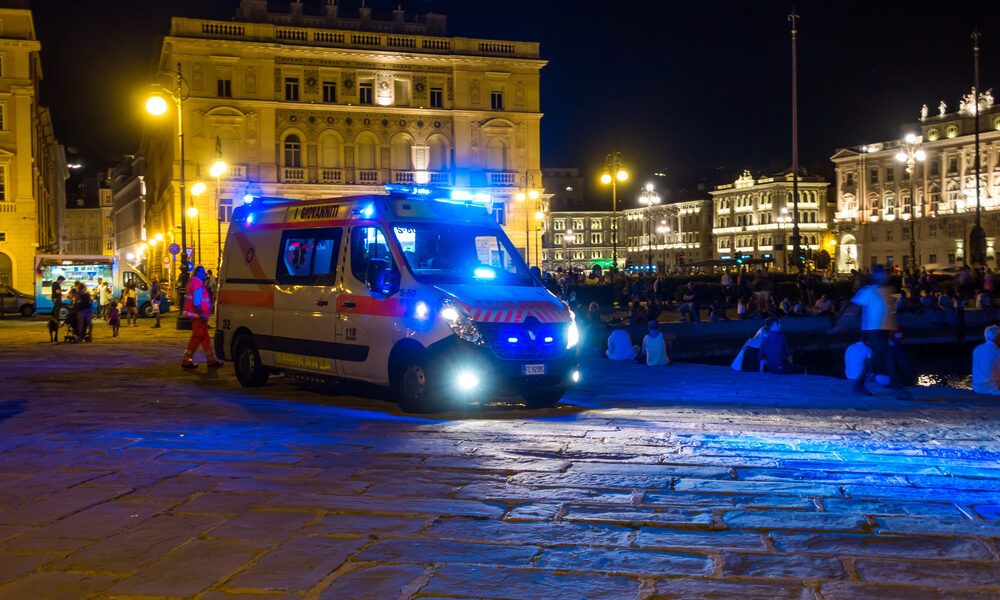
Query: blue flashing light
{"type": "Point", "coordinates": [368, 210]}
{"type": "Point", "coordinates": [395, 188]}
{"type": "Point", "coordinates": [247, 198]}
{"type": "Point", "coordinates": [420, 310]}
{"type": "Point", "coordinates": [250, 219]}
{"type": "Point", "coordinates": [466, 196]}
{"type": "Point", "coordinates": [512, 340]}
{"type": "Point", "coordinates": [484, 273]}
{"type": "Point", "coordinates": [548, 340]}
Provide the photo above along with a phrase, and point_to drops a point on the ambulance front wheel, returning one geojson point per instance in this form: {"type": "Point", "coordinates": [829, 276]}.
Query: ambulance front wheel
{"type": "Point", "coordinates": [246, 361]}
{"type": "Point", "coordinates": [415, 385]}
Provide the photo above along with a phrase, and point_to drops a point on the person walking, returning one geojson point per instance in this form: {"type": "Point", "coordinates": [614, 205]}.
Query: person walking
{"type": "Point", "coordinates": [210, 284]}
{"type": "Point", "coordinates": [878, 327]}
{"type": "Point", "coordinates": [84, 304]}
{"type": "Point", "coordinates": [197, 307]}
{"type": "Point", "coordinates": [131, 303]}
{"type": "Point", "coordinates": [57, 295]}
{"type": "Point", "coordinates": [114, 318]}
{"type": "Point", "coordinates": [104, 294]}
{"type": "Point", "coordinates": [154, 298]}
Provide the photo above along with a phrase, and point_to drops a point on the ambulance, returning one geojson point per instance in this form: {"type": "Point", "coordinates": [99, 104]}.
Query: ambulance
{"type": "Point", "coordinates": [419, 290]}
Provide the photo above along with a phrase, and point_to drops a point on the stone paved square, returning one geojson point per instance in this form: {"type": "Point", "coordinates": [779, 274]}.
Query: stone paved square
{"type": "Point", "coordinates": [123, 477]}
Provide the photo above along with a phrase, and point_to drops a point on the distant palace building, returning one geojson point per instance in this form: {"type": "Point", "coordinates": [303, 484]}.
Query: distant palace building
{"type": "Point", "coordinates": [33, 169]}
{"type": "Point", "coordinates": [754, 218]}
{"type": "Point", "coordinates": [312, 106]}
{"type": "Point", "coordinates": [675, 234]}
{"type": "Point", "coordinates": [886, 195]}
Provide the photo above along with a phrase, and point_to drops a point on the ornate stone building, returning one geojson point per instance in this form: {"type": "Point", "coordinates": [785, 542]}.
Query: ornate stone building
{"type": "Point", "coordinates": [32, 164]}
{"type": "Point", "coordinates": [677, 233]}
{"type": "Point", "coordinates": [918, 194]}
{"type": "Point", "coordinates": [578, 240]}
{"type": "Point", "coordinates": [311, 106]}
{"type": "Point", "coordinates": [753, 218]}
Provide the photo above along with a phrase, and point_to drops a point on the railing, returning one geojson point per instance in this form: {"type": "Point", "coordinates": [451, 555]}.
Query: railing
{"type": "Point", "coordinates": [293, 174]}
{"type": "Point", "coordinates": [501, 178]}
{"type": "Point", "coordinates": [236, 172]}
{"type": "Point", "coordinates": [402, 176]}
{"type": "Point", "coordinates": [331, 175]}
{"type": "Point", "coordinates": [368, 175]}
{"type": "Point", "coordinates": [8, 207]}
{"type": "Point", "coordinates": [290, 33]}
{"type": "Point", "coordinates": [440, 177]}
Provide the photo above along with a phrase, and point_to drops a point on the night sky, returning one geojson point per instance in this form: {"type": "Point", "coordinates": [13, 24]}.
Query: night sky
{"type": "Point", "coordinates": [696, 89]}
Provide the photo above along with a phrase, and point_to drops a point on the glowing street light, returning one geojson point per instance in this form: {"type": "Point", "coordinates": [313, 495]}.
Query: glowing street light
{"type": "Point", "coordinates": [531, 194]}
{"type": "Point", "coordinates": [649, 197]}
{"type": "Point", "coordinates": [911, 153]}
{"type": "Point", "coordinates": [217, 170]}
{"type": "Point", "coordinates": [613, 164]}
{"type": "Point", "coordinates": [197, 190]}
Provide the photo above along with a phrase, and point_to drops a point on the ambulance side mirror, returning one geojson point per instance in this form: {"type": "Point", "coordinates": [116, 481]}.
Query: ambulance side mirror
{"type": "Point", "coordinates": [380, 278]}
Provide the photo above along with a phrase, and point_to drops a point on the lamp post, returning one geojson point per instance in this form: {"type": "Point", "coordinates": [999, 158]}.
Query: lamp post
{"type": "Point", "coordinates": [783, 221]}
{"type": "Point", "coordinates": [796, 238]}
{"type": "Point", "coordinates": [216, 170]}
{"type": "Point", "coordinates": [614, 171]}
{"type": "Point", "coordinates": [649, 197]}
{"type": "Point", "coordinates": [663, 229]}
{"type": "Point", "coordinates": [909, 153]}
{"type": "Point", "coordinates": [523, 197]}
{"type": "Point", "coordinates": [977, 237]}
{"type": "Point", "coordinates": [156, 105]}
{"type": "Point", "coordinates": [569, 236]}
{"type": "Point", "coordinates": [193, 213]}
{"type": "Point", "coordinates": [539, 222]}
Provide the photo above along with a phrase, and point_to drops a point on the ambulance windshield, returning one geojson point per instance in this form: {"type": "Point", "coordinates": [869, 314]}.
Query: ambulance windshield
{"type": "Point", "coordinates": [444, 253]}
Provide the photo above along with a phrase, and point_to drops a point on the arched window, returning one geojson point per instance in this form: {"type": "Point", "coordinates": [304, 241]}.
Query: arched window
{"type": "Point", "coordinates": [496, 155]}
{"type": "Point", "coordinates": [439, 159]}
{"type": "Point", "coordinates": [293, 151]}
{"type": "Point", "coordinates": [329, 151]}
{"type": "Point", "coordinates": [400, 155]}
{"type": "Point", "coordinates": [366, 148]}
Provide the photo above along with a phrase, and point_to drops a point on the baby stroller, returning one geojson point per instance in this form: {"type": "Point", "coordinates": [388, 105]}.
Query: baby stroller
{"type": "Point", "coordinates": [70, 322]}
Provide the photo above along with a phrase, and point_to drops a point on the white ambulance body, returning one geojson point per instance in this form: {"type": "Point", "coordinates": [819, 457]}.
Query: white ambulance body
{"type": "Point", "coordinates": [419, 290]}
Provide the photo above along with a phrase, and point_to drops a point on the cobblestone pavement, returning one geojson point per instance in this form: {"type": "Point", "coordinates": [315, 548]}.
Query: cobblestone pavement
{"type": "Point", "coordinates": [123, 477]}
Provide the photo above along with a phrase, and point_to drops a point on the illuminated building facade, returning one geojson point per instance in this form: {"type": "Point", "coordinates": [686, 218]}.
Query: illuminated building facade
{"type": "Point", "coordinates": [578, 240]}
{"type": "Point", "coordinates": [753, 218]}
{"type": "Point", "coordinates": [311, 106]}
{"type": "Point", "coordinates": [32, 164]}
{"type": "Point", "coordinates": [921, 188]}
{"type": "Point", "coordinates": [680, 234]}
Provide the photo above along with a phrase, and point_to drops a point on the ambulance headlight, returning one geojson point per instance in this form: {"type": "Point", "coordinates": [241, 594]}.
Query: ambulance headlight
{"type": "Point", "coordinates": [572, 335]}
{"type": "Point", "coordinates": [467, 381]}
{"type": "Point", "coordinates": [460, 323]}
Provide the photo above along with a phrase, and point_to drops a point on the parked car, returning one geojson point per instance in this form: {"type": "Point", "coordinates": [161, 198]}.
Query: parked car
{"type": "Point", "coordinates": [13, 301]}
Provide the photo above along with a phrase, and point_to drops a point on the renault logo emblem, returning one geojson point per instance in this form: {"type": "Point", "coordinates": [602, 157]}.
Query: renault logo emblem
{"type": "Point", "coordinates": [531, 335]}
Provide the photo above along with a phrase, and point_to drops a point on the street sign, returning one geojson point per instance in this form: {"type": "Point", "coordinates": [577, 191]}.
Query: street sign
{"type": "Point", "coordinates": [174, 248]}
{"type": "Point", "coordinates": [190, 253]}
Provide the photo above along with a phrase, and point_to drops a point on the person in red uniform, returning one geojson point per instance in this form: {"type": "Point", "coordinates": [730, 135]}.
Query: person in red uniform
{"type": "Point", "coordinates": [198, 306]}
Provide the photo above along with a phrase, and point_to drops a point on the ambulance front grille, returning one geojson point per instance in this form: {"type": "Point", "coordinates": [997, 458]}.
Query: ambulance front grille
{"type": "Point", "coordinates": [525, 341]}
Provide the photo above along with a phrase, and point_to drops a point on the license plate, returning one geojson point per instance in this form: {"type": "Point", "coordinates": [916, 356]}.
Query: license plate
{"type": "Point", "coordinates": [534, 369]}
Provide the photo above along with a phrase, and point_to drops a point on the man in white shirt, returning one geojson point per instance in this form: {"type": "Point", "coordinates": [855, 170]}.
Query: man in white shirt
{"type": "Point", "coordinates": [878, 324]}
{"type": "Point", "coordinates": [986, 364]}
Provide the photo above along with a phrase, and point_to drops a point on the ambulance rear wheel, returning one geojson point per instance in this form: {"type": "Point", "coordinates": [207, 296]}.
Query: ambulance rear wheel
{"type": "Point", "coordinates": [246, 361]}
{"type": "Point", "coordinates": [542, 399]}
{"type": "Point", "coordinates": [415, 385]}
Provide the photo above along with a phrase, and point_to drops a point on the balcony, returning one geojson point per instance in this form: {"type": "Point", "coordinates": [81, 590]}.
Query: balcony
{"type": "Point", "coordinates": [501, 178]}
{"type": "Point", "coordinates": [368, 176]}
{"type": "Point", "coordinates": [331, 175]}
{"type": "Point", "coordinates": [293, 174]}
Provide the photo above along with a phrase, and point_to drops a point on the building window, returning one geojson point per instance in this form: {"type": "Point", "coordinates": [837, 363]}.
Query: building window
{"type": "Point", "coordinates": [850, 179]}
{"type": "Point", "coordinates": [578, 239]}
{"type": "Point", "coordinates": [225, 209]}
{"type": "Point", "coordinates": [292, 89]}
{"type": "Point", "coordinates": [401, 92]}
{"type": "Point", "coordinates": [557, 239]}
{"type": "Point", "coordinates": [890, 174]}
{"type": "Point", "coordinates": [874, 233]}
{"type": "Point", "coordinates": [365, 93]}
{"type": "Point", "coordinates": [559, 224]}
{"type": "Point", "coordinates": [595, 238]}
{"type": "Point", "coordinates": [3, 236]}
{"type": "Point", "coordinates": [330, 92]}
{"type": "Point", "coordinates": [906, 233]}
{"type": "Point", "coordinates": [3, 184]}
{"type": "Point", "coordinates": [496, 100]}
{"type": "Point", "coordinates": [935, 168]}
{"type": "Point", "coordinates": [499, 215]}
{"type": "Point", "coordinates": [577, 223]}
{"type": "Point", "coordinates": [293, 151]}
{"type": "Point", "coordinates": [932, 258]}
{"type": "Point", "coordinates": [578, 255]}
{"type": "Point", "coordinates": [595, 224]}
{"type": "Point", "coordinates": [888, 234]}
{"type": "Point", "coordinates": [906, 174]}
{"type": "Point", "coordinates": [874, 175]}
{"type": "Point", "coordinates": [225, 88]}
{"type": "Point", "coordinates": [557, 254]}
{"type": "Point", "coordinates": [951, 258]}
{"type": "Point", "coordinates": [932, 230]}
{"type": "Point", "coordinates": [437, 97]}
{"type": "Point", "coordinates": [953, 165]}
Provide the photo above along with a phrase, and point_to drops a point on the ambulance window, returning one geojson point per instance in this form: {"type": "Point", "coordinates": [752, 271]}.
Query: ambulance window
{"type": "Point", "coordinates": [368, 243]}
{"type": "Point", "coordinates": [308, 256]}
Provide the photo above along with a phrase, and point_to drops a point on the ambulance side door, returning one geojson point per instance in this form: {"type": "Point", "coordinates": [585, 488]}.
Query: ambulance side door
{"type": "Point", "coordinates": [367, 323]}
{"type": "Point", "coordinates": [305, 312]}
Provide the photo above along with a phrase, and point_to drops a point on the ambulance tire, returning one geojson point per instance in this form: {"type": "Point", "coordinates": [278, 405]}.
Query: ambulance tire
{"type": "Point", "coordinates": [246, 362]}
{"type": "Point", "coordinates": [546, 399]}
{"type": "Point", "coordinates": [414, 385]}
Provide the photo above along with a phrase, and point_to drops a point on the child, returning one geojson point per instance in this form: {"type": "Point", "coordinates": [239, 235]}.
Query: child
{"type": "Point", "coordinates": [113, 318]}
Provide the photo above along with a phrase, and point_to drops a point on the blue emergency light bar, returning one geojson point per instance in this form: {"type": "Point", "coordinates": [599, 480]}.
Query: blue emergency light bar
{"type": "Point", "coordinates": [440, 193]}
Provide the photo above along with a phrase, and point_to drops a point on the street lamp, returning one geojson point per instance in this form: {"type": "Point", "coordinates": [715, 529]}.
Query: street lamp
{"type": "Point", "coordinates": [193, 213]}
{"type": "Point", "coordinates": [523, 197]}
{"type": "Point", "coordinates": [663, 229]}
{"type": "Point", "coordinates": [909, 153]}
{"type": "Point", "coordinates": [649, 197]}
{"type": "Point", "coordinates": [539, 221]}
{"type": "Point", "coordinates": [156, 105]}
{"type": "Point", "coordinates": [216, 170]}
{"type": "Point", "coordinates": [613, 165]}
{"type": "Point", "coordinates": [569, 236]}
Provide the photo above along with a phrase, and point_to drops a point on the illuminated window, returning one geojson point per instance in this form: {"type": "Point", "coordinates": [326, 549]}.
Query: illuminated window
{"type": "Point", "coordinates": [3, 184]}
{"type": "Point", "coordinates": [293, 151]}
{"type": "Point", "coordinates": [225, 210]}
{"type": "Point", "coordinates": [292, 89]}
{"type": "Point", "coordinates": [953, 165]}
{"type": "Point", "coordinates": [595, 238]}
{"type": "Point", "coordinates": [330, 92]}
{"type": "Point", "coordinates": [932, 231]}
{"type": "Point", "coordinates": [402, 92]}
{"type": "Point", "coordinates": [850, 179]}
{"type": "Point", "coordinates": [496, 100]}
{"type": "Point", "coordinates": [559, 224]}
{"type": "Point", "coordinates": [890, 174]}
{"type": "Point", "coordinates": [874, 176]}
{"type": "Point", "coordinates": [577, 223]}
{"type": "Point", "coordinates": [225, 88]}
{"type": "Point", "coordinates": [499, 215]}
